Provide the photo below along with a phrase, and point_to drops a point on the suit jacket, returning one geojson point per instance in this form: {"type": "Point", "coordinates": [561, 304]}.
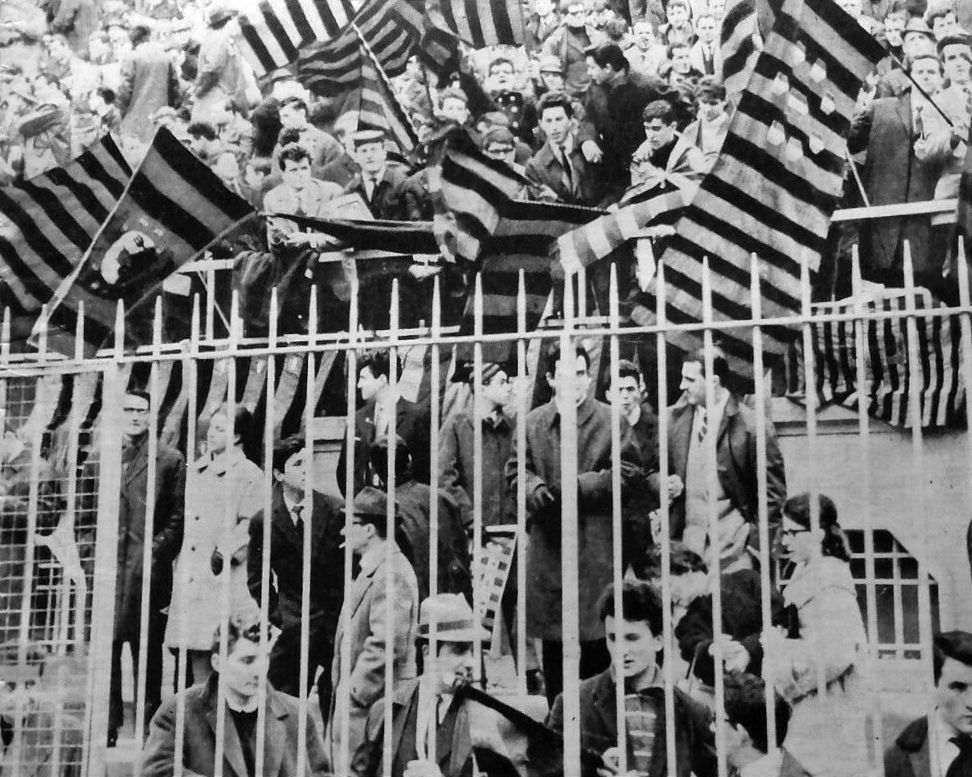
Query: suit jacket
{"type": "Point", "coordinates": [735, 461]}
{"type": "Point", "coordinates": [383, 202]}
{"type": "Point", "coordinates": [411, 424]}
{"type": "Point", "coordinates": [283, 199]}
{"type": "Point", "coordinates": [697, 58]}
{"type": "Point", "coordinates": [546, 169]}
{"type": "Point", "coordinates": [599, 726]}
{"type": "Point", "coordinates": [453, 743]}
{"type": "Point", "coordinates": [199, 745]}
{"type": "Point", "coordinates": [894, 173]}
{"type": "Point", "coordinates": [363, 617]}
{"type": "Point", "coordinates": [908, 756]}
{"type": "Point", "coordinates": [286, 563]}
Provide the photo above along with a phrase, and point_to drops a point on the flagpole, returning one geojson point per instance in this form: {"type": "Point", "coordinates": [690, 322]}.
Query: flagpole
{"type": "Point", "coordinates": [383, 76]}
{"type": "Point", "coordinates": [917, 86]}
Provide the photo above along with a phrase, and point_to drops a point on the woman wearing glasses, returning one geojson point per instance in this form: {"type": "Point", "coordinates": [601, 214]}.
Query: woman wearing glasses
{"type": "Point", "coordinates": [820, 666]}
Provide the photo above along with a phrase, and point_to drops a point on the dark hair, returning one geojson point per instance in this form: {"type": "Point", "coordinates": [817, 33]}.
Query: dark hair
{"type": "Point", "coordinates": [292, 152]}
{"type": "Point", "coordinates": [499, 61]}
{"type": "Point", "coordinates": [936, 11]}
{"type": "Point", "coordinates": [285, 449]}
{"type": "Point", "coordinates": [242, 418]}
{"type": "Point", "coordinates": [640, 601]}
{"type": "Point", "coordinates": [709, 86]}
{"type": "Point", "coordinates": [555, 100]}
{"type": "Point", "coordinates": [139, 33]}
{"type": "Point", "coordinates": [659, 109]}
{"type": "Point", "coordinates": [201, 129]}
{"type": "Point", "coordinates": [720, 364]}
{"type": "Point", "coordinates": [682, 561]}
{"type": "Point", "coordinates": [553, 356]}
{"type": "Point", "coordinates": [909, 62]}
{"type": "Point", "coordinates": [956, 645]}
{"type": "Point", "coordinates": [377, 362]}
{"type": "Point", "coordinates": [797, 509]}
{"type": "Point", "coordinates": [745, 705]}
{"type": "Point", "coordinates": [683, 3]}
{"type": "Point", "coordinates": [236, 105]}
{"type": "Point", "coordinates": [259, 164]}
{"type": "Point", "coordinates": [265, 119]}
{"type": "Point", "coordinates": [245, 624]}
{"type": "Point", "coordinates": [628, 369]}
{"type": "Point", "coordinates": [611, 54]}
{"type": "Point", "coordinates": [952, 40]}
{"type": "Point", "coordinates": [138, 391]}
{"type": "Point", "coordinates": [615, 29]}
{"type": "Point", "coordinates": [897, 6]}
{"type": "Point", "coordinates": [294, 102]}
{"type": "Point", "coordinates": [288, 136]}
{"type": "Point", "coordinates": [106, 94]}
{"type": "Point", "coordinates": [679, 44]}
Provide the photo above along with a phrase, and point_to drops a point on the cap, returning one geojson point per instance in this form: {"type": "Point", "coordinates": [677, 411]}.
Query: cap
{"type": "Point", "coordinates": [220, 13]}
{"type": "Point", "coordinates": [364, 137]}
{"type": "Point", "coordinates": [551, 64]}
{"type": "Point", "coordinates": [371, 501]}
{"type": "Point", "coordinates": [917, 24]}
{"type": "Point", "coordinates": [453, 617]}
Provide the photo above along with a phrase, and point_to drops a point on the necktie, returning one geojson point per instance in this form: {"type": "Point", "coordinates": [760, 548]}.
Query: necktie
{"type": "Point", "coordinates": [568, 177]}
{"type": "Point", "coordinates": [703, 424]}
{"type": "Point", "coordinates": [962, 765]}
{"type": "Point", "coordinates": [371, 186]}
{"type": "Point", "coordinates": [298, 521]}
{"type": "Point", "coordinates": [919, 123]}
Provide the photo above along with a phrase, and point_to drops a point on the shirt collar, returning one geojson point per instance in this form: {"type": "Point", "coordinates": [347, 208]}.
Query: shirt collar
{"type": "Point", "coordinates": [372, 557]}
{"type": "Point", "coordinates": [767, 766]}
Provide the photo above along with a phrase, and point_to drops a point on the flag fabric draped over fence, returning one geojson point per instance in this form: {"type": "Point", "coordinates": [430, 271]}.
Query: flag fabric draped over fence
{"type": "Point", "coordinates": [173, 207]}
{"type": "Point", "coordinates": [274, 31]}
{"type": "Point", "coordinates": [774, 186]}
{"type": "Point", "coordinates": [890, 376]}
{"type": "Point", "coordinates": [50, 221]}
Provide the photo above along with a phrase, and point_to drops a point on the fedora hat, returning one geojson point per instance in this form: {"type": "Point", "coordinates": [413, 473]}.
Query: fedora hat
{"type": "Point", "coordinates": [453, 617]}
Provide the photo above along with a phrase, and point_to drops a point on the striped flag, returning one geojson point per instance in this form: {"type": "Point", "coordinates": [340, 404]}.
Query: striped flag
{"type": "Point", "coordinates": [173, 208]}
{"type": "Point", "coordinates": [274, 31]}
{"type": "Point", "coordinates": [775, 184]}
{"type": "Point", "coordinates": [599, 238]}
{"type": "Point", "coordinates": [336, 66]}
{"type": "Point", "coordinates": [482, 23]}
{"type": "Point", "coordinates": [963, 214]}
{"type": "Point", "coordinates": [889, 376]}
{"type": "Point", "coordinates": [379, 108]}
{"type": "Point", "coordinates": [50, 221]}
{"type": "Point", "coordinates": [438, 48]}
{"type": "Point", "coordinates": [739, 43]}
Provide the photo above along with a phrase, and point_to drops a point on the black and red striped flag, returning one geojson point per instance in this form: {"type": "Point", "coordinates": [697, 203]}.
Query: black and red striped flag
{"type": "Point", "coordinates": [775, 184]}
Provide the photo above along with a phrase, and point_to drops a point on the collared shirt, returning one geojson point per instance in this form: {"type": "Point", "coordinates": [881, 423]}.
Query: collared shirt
{"type": "Point", "coordinates": [291, 506]}
{"type": "Point", "coordinates": [371, 181]}
{"type": "Point", "coordinates": [372, 557]}
{"type": "Point", "coordinates": [431, 707]}
{"type": "Point", "coordinates": [940, 737]}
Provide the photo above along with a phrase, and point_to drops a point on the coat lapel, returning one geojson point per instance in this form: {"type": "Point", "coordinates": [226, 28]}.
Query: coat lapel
{"type": "Point", "coordinates": [680, 439]}
{"type": "Point", "coordinates": [232, 751]}
{"type": "Point", "coordinates": [283, 521]}
{"type": "Point", "coordinates": [920, 760]}
{"type": "Point", "coordinates": [139, 464]}
{"type": "Point", "coordinates": [606, 704]}
{"type": "Point", "coordinates": [276, 736]}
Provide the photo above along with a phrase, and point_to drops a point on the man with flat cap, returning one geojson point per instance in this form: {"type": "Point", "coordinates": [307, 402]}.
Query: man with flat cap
{"type": "Point", "coordinates": [364, 618]}
{"type": "Point", "coordinates": [378, 180]}
{"type": "Point", "coordinates": [949, 729]}
{"type": "Point", "coordinates": [430, 702]}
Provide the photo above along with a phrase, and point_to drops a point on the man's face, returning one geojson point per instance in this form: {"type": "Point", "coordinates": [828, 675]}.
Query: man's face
{"type": "Point", "coordinates": [717, 8]}
{"type": "Point", "coordinates": [498, 391]}
{"type": "Point", "coordinates": [658, 133]}
{"type": "Point", "coordinates": [254, 178]}
{"type": "Point", "coordinates": [294, 474]}
{"type": "Point", "coordinates": [575, 16]}
{"type": "Point", "coordinates": [632, 645]}
{"type": "Point", "coordinates": [243, 668]}
{"type": "Point", "coordinates": [552, 80]}
{"type": "Point", "coordinates": [118, 37]}
{"type": "Point", "coordinates": [453, 666]}
{"type": "Point", "coordinates": [677, 15]}
{"type": "Point", "coordinates": [628, 390]}
{"type": "Point", "coordinates": [371, 157]}
{"type": "Point", "coordinates": [501, 75]}
{"type": "Point", "coordinates": [681, 60]}
{"type": "Point", "coordinates": [598, 74]}
{"type": "Point", "coordinates": [574, 370]}
{"type": "Point", "coordinates": [454, 109]}
{"type": "Point", "coordinates": [135, 415]}
{"type": "Point", "coordinates": [292, 117]}
{"type": "Point", "coordinates": [501, 151]}
{"type": "Point", "coordinates": [927, 74]}
{"type": "Point", "coordinates": [894, 25]}
{"type": "Point", "coordinates": [368, 384]}
{"type": "Point", "coordinates": [358, 536]}
{"type": "Point", "coordinates": [957, 62]}
{"type": "Point", "coordinates": [710, 108]}
{"type": "Point", "coordinates": [707, 28]}
{"type": "Point", "coordinates": [556, 124]}
{"type": "Point", "coordinates": [226, 167]}
{"type": "Point", "coordinates": [693, 384]}
{"type": "Point", "coordinates": [944, 25]}
{"type": "Point", "coordinates": [917, 44]}
{"type": "Point", "coordinates": [954, 694]}
{"type": "Point", "coordinates": [643, 34]}
{"type": "Point", "coordinates": [543, 7]}
{"type": "Point", "coordinates": [296, 173]}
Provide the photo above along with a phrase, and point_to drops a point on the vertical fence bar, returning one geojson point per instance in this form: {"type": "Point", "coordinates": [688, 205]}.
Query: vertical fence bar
{"type": "Point", "coordinates": [477, 385]}
{"type": "Point", "coordinates": [864, 442]}
{"type": "Point", "coordinates": [616, 517]}
{"type": "Point", "coordinates": [570, 626]}
{"type": "Point", "coordinates": [712, 488]}
{"type": "Point", "coordinates": [965, 324]}
{"type": "Point", "coordinates": [762, 498]}
{"type": "Point", "coordinates": [434, 487]}
{"type": "Point", "coordinates": [521, 414]}
{"type": "Point", "coordinates": [915, 383]}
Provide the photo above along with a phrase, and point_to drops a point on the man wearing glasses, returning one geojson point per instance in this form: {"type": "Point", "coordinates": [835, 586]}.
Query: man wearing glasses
{"type": "Point", "coordinates": [134, 522]}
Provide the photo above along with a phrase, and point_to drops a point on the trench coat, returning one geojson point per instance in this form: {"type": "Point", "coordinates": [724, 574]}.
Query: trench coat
{"type": "Point", "coordinates": [149, 82]}
{"type": "Point", "coordinates": [197, 594]}
{"type": "Point", "coordinates": [593, 493]}
{"type": "Point", "coordinates": [170, 486]}
{"type": "Point", "coordinates": [823, 672]}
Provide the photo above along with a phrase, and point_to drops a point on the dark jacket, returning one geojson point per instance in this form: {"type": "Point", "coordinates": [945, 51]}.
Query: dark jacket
{"type": "Point", "coordinates": [741, 619]}
{"type": "Point", "coordinates": [908, 756]}
{"type": "Point", "coordinates": [546, 169]}
{"type": "Point", "coordinates": [599, 726]}
{"type": "Point", "coordinates": [199, 745]}
{"type": "Point", "coordinates": [384, 200]}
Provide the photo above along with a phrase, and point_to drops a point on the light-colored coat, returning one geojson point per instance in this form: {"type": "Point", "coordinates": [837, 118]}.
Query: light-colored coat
{"type": "Point", "coordinates": [823, 672]}
{"type": "Point", "coordinates": [197, 594]}
{"type": "Point", "coordinates": [364, 616]}
{"type": "Point", "coordinates": [220, 74]}
{"type": "Point", "coordinates": [149, 82]}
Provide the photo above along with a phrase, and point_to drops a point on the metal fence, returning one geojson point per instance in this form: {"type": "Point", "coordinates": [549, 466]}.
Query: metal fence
{"type": "Point", "coordinates": [65, 485]}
